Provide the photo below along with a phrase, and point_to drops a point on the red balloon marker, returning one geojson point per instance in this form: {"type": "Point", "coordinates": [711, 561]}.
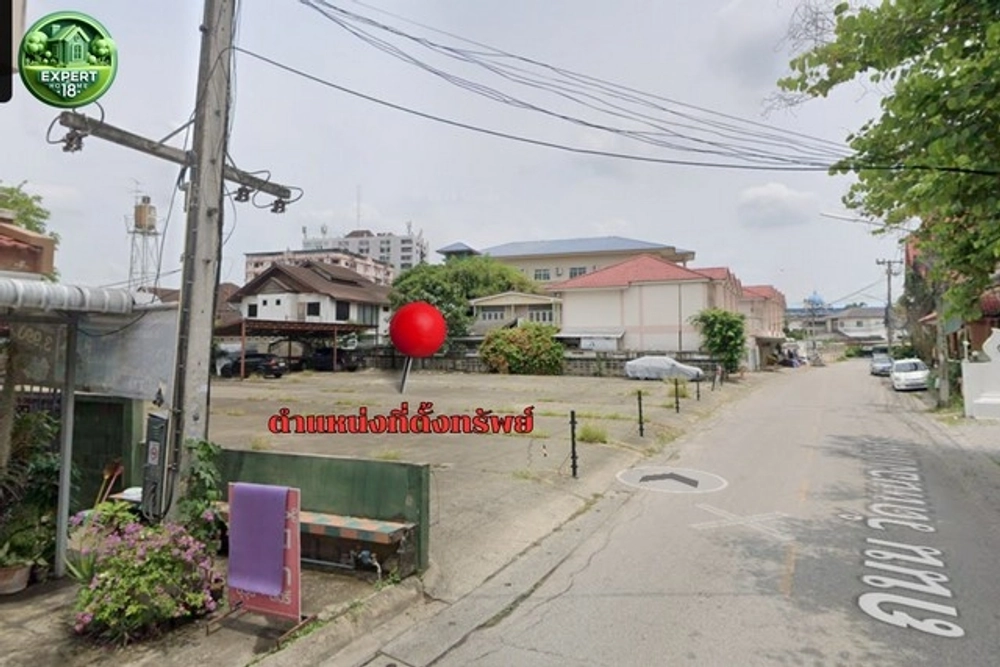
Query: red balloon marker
{"type": "Point", "coordinates": [417, 329]}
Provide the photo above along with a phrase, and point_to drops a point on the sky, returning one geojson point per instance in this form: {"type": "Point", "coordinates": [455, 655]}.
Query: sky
{"type": "Point", "coordinates": [355, 159]}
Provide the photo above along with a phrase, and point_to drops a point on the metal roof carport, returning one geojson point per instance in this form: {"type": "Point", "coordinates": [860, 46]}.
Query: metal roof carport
{"type": "Point", "coordinates": [287, 329]}
{"type": "Point", "coordinates": [37, 301]}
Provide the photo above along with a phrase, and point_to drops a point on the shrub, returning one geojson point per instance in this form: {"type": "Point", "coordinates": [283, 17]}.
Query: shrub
{"type": "Point", "coordinates": [724, 336]}
{"type": "Point", "coordinates": [525, 350]}
{"type": "Point", "coordinates": [591, 433]}
{"type": "Point", "coordinates": [144, 580]}
{"type": "Point", "coordinates": [204, 482]}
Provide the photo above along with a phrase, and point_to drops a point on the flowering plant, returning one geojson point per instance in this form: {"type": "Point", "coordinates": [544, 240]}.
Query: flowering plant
{"type": "Point", "coordinates": [144, 579]}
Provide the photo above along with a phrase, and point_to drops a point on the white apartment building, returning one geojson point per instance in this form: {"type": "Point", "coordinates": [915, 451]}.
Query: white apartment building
{"type": "Point", "coordinates": [380, 273]}
{"type": "Point", "coordinates": [402, 252]}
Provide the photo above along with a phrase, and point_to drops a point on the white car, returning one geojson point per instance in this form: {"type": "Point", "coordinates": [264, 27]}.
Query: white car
{"type": "Point", "coordinates": [661, 368]}
{"type": "Point", "coordinates": [909, 374]}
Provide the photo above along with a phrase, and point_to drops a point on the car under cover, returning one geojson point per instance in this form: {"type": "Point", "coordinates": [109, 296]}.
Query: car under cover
{"type": "Point", "coordinates": [661, 367]}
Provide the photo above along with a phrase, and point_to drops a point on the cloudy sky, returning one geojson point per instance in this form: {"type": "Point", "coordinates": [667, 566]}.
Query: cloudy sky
{"type": "Point", "coordinates": [454, 184]}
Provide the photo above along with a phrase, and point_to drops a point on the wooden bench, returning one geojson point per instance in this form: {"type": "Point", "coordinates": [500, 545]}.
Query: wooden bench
{"type": "Point", "coordinates": [388, 539]}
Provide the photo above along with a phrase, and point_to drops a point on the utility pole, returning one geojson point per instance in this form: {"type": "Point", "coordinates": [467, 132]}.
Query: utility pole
{"type": "Point", "coordinates": [202, 246]}
{"type": "Point", "coordinates": [203, 236]}
{"type": "Point", "coordinates": [943, 375]}
{"type": "Point", "coordinates": [889, 264]}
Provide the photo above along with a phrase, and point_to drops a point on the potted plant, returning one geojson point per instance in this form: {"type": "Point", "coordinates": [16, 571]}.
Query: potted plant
{"type": "Point", "coordinates": [15, 569]}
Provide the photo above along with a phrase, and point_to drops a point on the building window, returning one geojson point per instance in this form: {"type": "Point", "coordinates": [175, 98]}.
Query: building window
{"type": "Point", "coordinates": [252, 310]}
{"type": "Point", "coordinates": [277, 302]}
{"type": "Point", "coordinates": [541, 314]}
{"type": "Point", "coordinates": [343, 311]}
{"type": "Point", "coordinates": [368, 313]}
{"type": "Point", "coordinates": [312, 309]}
{"type": "Point", "coordinates": [264, 302]}
{"type": "Point", "coordinates": [859, 324]}
{"type": "Point", "coordinates": [575, 271]}
{"type": "Point", "coordinates": [405, 265]}
{"type": "Point", "coordinates": [491, 313]}
{"type": "Point", "coordinates": [541, 274]}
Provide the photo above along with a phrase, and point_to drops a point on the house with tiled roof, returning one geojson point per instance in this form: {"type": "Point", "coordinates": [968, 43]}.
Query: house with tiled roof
{"type": "Point", "coordinates": [763, 307]}
{"type": "Point", "coordinates": [727, 291]}
{"type": "Point", "coordinates": [557, 260]}
{"type": "Point", "coordinates": [641, 304]}
{"type": "Point", "coordinates": [314, 293]}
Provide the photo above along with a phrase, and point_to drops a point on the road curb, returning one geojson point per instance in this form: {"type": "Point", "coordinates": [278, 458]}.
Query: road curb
{"type": "Point", "coordinates": [344, 623]}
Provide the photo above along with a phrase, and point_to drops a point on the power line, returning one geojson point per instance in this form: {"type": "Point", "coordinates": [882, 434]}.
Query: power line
{"type": "Point", "coordinates": [594, 152]}
{"type": "Point", "coordinates": [603, 83]}
{"type": "Point", "coordinates": [664, 137]}
{"type": "Point", "coordinates": [518, 138]}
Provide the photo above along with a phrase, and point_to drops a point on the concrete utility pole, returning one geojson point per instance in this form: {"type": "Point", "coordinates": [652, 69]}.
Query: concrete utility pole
{"type": "Point", "coordinates": [203, 239]}
{"type": "Point", "coordinates": [888, 264]}
{"type": "Point", "coordinates": [203, 244]}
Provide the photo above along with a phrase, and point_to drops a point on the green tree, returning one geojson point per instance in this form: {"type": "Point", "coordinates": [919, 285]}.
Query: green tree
{"type": "Point", "coordinates": [723, 336]}
{"type": "Point", "coordinates": [941, 62]}
{"type": "Point", "coordinates": [525, 350]}
{"type": "Point", "coordinates": [451, 285]}
{"type": "Point", "coordinates": [29, 213]}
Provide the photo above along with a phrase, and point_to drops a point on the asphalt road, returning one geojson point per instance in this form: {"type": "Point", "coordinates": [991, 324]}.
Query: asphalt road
{"type": "Point", "coordinates": [832, 524]}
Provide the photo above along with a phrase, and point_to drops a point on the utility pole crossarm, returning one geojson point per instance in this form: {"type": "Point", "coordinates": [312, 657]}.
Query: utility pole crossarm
{"type": "Point", "coordinates": [101, 130]}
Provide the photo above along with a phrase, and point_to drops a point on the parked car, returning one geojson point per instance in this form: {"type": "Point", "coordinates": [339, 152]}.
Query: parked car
{"type": "Point", "coordinates": [881, 364]}
{"type": "Point", "coordinates": [347, 360]}
{"type": "Point", "coordinates": [659, 368]}
{"type": "Point", "coordinates": [909, 374]}
{"type": "Point", "coordinates": [254, 363]}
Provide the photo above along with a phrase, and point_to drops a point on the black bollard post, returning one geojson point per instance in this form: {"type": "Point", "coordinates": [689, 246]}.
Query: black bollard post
{"type": "Point", "coordinates": [572, 442]}
{"type": "Point", "coordinates": [641, 426]}
{"type": "Point", "coordinates": [697, 389]}
{"type": "Point", "coordinates": [677, 395]}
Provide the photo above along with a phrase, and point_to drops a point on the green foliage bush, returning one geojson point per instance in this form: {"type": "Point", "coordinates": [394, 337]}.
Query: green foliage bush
{"type": "Point", "coordinates": [142, 579]}
{"type": "Point", "coordinates": [724, 336]}
{"type": "Point", "coordinates": [204, 482]}
{"type": "Point", "coordinates": [525, 350]}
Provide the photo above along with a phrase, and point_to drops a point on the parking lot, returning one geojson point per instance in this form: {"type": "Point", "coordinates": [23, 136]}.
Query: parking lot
{"type": "Point", "coordinates": [492, 495]}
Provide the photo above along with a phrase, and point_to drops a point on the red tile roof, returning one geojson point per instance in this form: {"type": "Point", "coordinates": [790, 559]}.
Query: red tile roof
{"type": "Point", "coordinates": [716, 272]}
{"type": "Point", "coordinates": [641, 269]}
{"type": "Point", "coordinates": [763, 292]}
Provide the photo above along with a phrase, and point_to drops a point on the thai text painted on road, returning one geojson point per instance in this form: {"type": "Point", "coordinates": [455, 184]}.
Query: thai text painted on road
{"type": "Point", "coordinates": [899, 570]}
{"type": "Point", "coordinates": [400, 420]}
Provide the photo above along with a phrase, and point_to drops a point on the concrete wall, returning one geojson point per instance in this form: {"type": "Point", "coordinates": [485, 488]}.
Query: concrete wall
{"type": "Point", "coordinates": [588, 365]}
{"type": "Point", "coordinates": [389, 491]}
{"type": "Point", "coordinates": [981, 381]}
{"type": "Point", "coordinates": [655, 316]}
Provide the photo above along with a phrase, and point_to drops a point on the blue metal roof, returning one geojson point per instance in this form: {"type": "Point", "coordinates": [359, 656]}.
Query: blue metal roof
{"type": "Point", "coordinates": [458, 247]}
{"type": "Point", "coordinates": [573, 246]}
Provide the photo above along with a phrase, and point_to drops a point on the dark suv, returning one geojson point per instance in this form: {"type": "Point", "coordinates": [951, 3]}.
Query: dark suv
{"type": "Point", "coordinates": [255, 363]}
{"type": "Point", "coordinates": [347, 360]}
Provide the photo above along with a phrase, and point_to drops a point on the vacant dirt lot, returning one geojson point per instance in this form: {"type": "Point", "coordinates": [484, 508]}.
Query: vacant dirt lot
{"type": "Point", "coordinates": [492, 495]}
